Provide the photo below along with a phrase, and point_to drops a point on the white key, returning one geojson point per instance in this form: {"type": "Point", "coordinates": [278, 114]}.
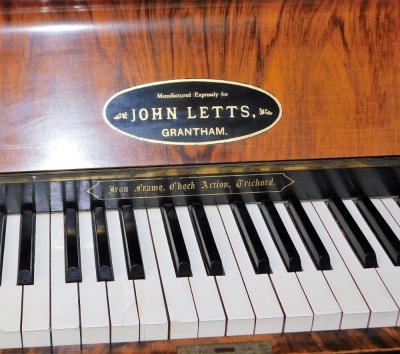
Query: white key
{"type": "Point", "coordinates": [36, 301]}
{"type": "Point", "coordinates": [390, 211]}
{"type": "Point", "coordinates": [152, 313]}
{"type": "Point", "coordinates": [10, 293]}
{"type": "Point", "coordinates": [268, 312]}
{"type": "Point", "coordinates": [239, 313]}
{"type": "Point", "coordinates": [209, 308]}
{"type": "Point", "coordinates": [393, 207]}
{"type": "Point", "coordinates": [327, 313]}
{"type": "Point", "coordinates": [355, 311]}
{"type": "Point", "coordinates": [178, 296]}
{"type": "Point", "coordinates": [93, 297]}
{"type": "Point", "coordinates": [298, 314]}
{"type": "Point", "coordinates": [386, 270]}
{"type": "Point", "coordinates": [64, 296]}
{"type": "Point", "coordinates": [383, 309]}
{"type": "Point", "coordinates": [121, 295]}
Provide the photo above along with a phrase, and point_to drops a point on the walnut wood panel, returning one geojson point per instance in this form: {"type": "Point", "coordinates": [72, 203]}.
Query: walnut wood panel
{"type": "Point", "coordinates": [333, 65]}
{"type": "Point", "coordinates": [384, 340]}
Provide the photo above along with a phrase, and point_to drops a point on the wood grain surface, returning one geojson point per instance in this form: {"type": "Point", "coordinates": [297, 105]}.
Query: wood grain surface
{"type": "Point", "coordinates": [384, 340]}
{"type": "Point", "coordinates": [333, 65]}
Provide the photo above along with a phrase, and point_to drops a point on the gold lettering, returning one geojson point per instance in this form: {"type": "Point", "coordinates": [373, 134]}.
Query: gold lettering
{"type": "Point", "coordinates": [189, 115]}
{"type": "Point", "coordinates": [157, 113]}
{"type": "Point", "coordinates": [143, 114]}
{"type": "Point", "coordinates": [171, 113]}
{"type": "Point", "coordinates": [143, 188]}
{"type": "Point", "coordinates": [203, 112]}
{"type": "Point", "coordinates": [231, 108]}
{"type": "Point", "coordinates": [217, 110]}
{"type": "Point", "coordinates": [178, 186]}
{"type": "Point", "coordinates": [214, 185]}
{"type": "Point", "coordinates": [245, 111]}
{"type": "Point", "coordinates": [241, 183]}
{"type": "Point", "coordinates": [117, 189]}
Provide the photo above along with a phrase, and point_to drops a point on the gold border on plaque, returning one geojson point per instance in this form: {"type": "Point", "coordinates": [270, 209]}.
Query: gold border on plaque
{"type": "Point", "coordinates": [141, 196]}
{"type": "Point", "coordinates": [194, 80]}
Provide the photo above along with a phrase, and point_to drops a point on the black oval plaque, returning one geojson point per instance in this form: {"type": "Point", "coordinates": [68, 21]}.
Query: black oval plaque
{"type": "Point", "coordinates": [192, 111]}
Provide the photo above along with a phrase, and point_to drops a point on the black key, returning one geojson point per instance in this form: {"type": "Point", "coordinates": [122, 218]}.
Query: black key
{"type": "Point", "coordinates": [205, 238]}
{"type": "Point", "coordinates": [281, 237]}
{"type": "Point", "coordinates": [251, 239]}
{"type": "Point", "coordinates": [26, 248]}
{"type": "Point", "coordinates": [3, 219]}
{"type": "Point", "coordinates": [101, 244]}
{"type": "Point", "coordinates": [309, 235]}
{"type": "Point", "coordinates": [176, 243]}
{"type": "Point", "coordinates": [354, 235]}
{"type": "Point", "coordinates": [72, 255]}
{"type": "Point", "coordinates": [381, 229]}
{"type": "Point", "coordinates": [133, 255]}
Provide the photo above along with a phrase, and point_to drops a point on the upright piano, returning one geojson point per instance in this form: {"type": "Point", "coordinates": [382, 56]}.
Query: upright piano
{"type": "Point", "coordinates": [199, 176]}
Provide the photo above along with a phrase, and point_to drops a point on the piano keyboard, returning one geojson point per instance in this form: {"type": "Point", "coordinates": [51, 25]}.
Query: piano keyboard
{"type": "Point", "coordinates": [242, 269]}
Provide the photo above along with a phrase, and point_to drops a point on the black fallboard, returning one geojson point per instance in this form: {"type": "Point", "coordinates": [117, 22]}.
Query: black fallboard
{"type": "Point", "coordinates": [207, 184]}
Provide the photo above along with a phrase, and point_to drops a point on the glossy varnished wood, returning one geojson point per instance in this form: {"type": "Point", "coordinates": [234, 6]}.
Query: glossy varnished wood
{"type": "Point", "coordinates": [332, 64]}
{"type": "Point", "coordinates": [385, 340]}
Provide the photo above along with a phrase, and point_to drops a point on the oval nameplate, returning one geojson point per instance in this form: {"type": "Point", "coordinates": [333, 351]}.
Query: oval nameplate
{"type": "Point", "coordinates": [192, 111]}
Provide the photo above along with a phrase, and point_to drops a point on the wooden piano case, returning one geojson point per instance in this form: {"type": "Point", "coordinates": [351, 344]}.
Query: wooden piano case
{"type": "Point", "coordinates": [333, 65]}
